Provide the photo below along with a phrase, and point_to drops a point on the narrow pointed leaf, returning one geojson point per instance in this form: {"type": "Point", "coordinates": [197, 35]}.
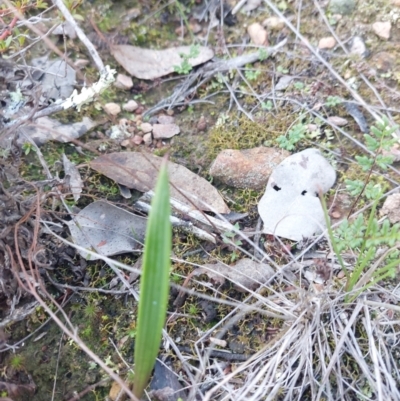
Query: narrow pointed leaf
{"type": "Point", "coordinates": [154, 284]}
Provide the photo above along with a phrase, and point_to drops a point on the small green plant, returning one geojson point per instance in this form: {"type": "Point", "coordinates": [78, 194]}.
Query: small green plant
{"type": "Point", "coordinates": [333, 101]}
{"type": "Point", "coordinates": [229, 237]}
{"type": "Point", "coordinates": [262, 54]}
{"type": "Point", "coordinates": [268, 105]}
{"type": "Point", "coordinates": [364, 238]}
{"type": "Point", "coordinates": [295, 135]}
{"type": "Point", "coordinates": [282, 70]}
{"type": "Point", "coordinates": [11, 38]}
{"type": "Point", "coordinates": [380, 139]}
{"type": "Point", "coordinates": [222, 119]}
{"type": "Point", "coordinates": [27, 147]}
{"type": "Point", "coordinates": [252, 75]}
{"type": "Point", "coordinates": [193, 310]}
{"type": "Point", "coordinates": [154, 284]}
{"type": "Point", "coordinates": [299, 85]}
{"type": "Point", "coordinates": [185, 67]}
{"type": "Point", "coordinates": [17, 362]}
{"type": "Point", "coordinates": [90, 311]}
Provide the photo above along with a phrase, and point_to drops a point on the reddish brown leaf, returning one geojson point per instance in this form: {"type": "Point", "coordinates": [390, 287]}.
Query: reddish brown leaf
{"type": "Point", "coordinates": [139, 171]}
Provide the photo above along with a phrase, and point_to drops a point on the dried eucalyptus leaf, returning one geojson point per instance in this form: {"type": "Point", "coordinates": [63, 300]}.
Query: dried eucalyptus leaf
{"type": "Point", "coordinates": [150, 64]}
{"type": "Point", "coordinates": [139, 171]}
{"type": "Point", "coordinates": [107, 229]}
{"type": "Point", "coordinates": [246, 274]}
{"type": "Point", "coordinates": [74, 178]}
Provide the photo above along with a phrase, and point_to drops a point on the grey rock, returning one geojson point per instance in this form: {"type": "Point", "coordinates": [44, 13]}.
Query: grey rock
{"type": "Point", "coordinates": [358, 47]}
{"type": "Point", "coordinates": [344, 7]}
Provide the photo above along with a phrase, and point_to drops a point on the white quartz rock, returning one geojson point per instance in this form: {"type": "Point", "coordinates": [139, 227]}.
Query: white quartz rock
{"type": "Point", "coordinates": [290, 207]}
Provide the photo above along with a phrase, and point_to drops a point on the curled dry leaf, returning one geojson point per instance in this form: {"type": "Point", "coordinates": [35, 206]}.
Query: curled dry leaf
{"type": "Point", "coordinates": [107, 229]}
{"type": "Point", "coordinates": [165, 385]}
{"type": "Point", "coordinates": [47, 129]}
{"type": "Point", "coordinates": [245, 275]}
{"type": "Point", "coordinates": [58, 81]}
{"type": "Point", "coordinates": [74, 178]}
{"type": "Point", "coordinates": [139, 171]}
{"type": "Point", "coordinates": [150, 64]}
{"type": "Point", "coordinates": [290, 207]}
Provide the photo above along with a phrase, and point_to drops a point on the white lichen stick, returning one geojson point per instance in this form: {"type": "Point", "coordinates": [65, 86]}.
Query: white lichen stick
{"type": "Point", "coordinates": [197, 215]}
{"type": "Point", "coordinates": [87, 94]}
{"type": "Point", "coordinates": [184, 225]}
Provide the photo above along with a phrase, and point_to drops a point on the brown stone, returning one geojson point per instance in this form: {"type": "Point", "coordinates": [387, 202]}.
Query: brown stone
{"type": "Point", "coordinates": [125, 143]}
{"type": "Point", "coordinates": [248, 168]}
{"type": "Point", "coordinates": [112, 109]}
{"type": "Point", "coordinates": [202, 124]}
{"type": "Point", "coordinates": [137, 140]}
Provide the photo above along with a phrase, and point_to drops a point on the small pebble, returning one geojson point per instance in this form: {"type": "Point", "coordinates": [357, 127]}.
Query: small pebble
{"type": "Point", "coordinates": [123, 82]}
{"type": "Point", "coordinates": [132, 14]}
{"type": "Point", "coordinates": [327, 43]}
{"type": "Point", "coordinates": [113, 109]}
{"type": "Point", "coordinates": [163, 119]}
{"type": "Point", "coordinates": [195, 27]}
{"type": "Point", "coordinates": [258, 34]}
{"type": "Point", "coordinates": [146, 127]}
{"type": "Point", "coordinates": [202, 124]}
{"type": "Point", "coordinates": [130, 106]}
{"type": "Point", "coordinates": [147, 139]}
{"type": "Point", "coordinates": [139, 110]}
{"type": "Point", "coordinates": [336, 120]}
{"type": "Point", "coordinates": [274, 23]}
{"type": "Point", "coordinates": [137, 140]}
{"type": "Point", "coordinates": [312, 127]}
{"type": "Point", "coordinates": [126, 143]}
{"type": "Point", "coordinates": [358, 47]}
{"type": "Point", "coordinates": [165, 131]}
{"type": "Point", "coordinates": [341, 274]}
{"type": "Point", "coordinates": [382, 29]}
{"type": "Point", "coordinates": [335, 214]}
{"type": "Point", "coordinates": [181, 31]}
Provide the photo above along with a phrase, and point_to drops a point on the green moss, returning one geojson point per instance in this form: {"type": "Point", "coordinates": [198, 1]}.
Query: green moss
{"type": "Point", "coordinates": [239, 132]}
